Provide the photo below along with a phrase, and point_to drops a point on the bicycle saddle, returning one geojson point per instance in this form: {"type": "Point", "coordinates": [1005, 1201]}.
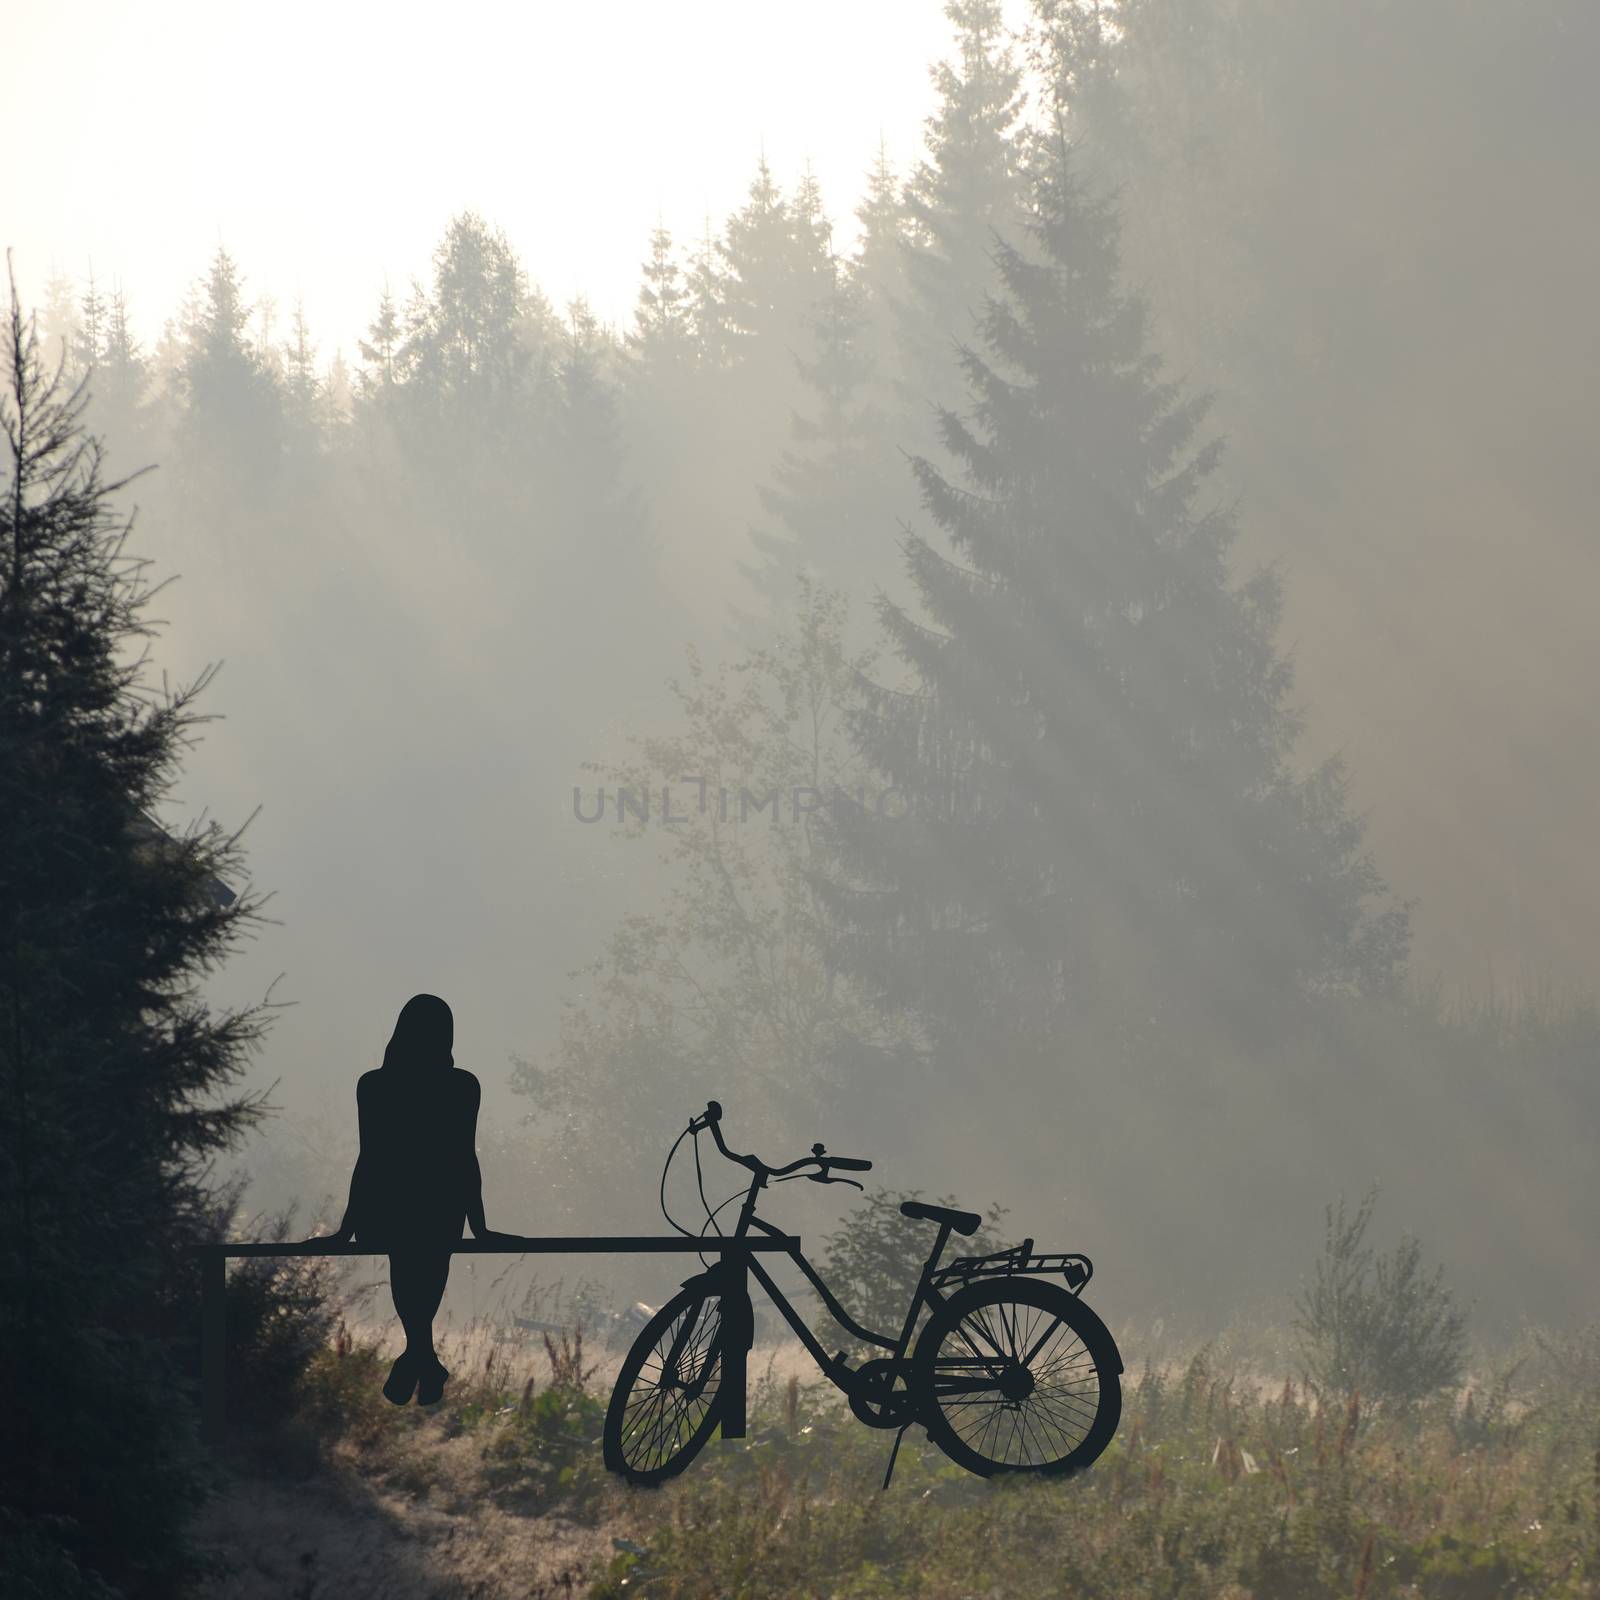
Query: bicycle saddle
{"type": "Point", "coordinates": [964, 1222]}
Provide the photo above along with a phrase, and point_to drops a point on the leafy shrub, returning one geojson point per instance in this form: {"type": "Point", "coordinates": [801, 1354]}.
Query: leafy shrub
{"type": "Point", "coordinates": [1382, 1326]}
{"type": "Point", "coordinates": [282, 1311]}
{"type": "Point", "coordinates": [36, 1561]}
{"type": "Point", "coordinates": [873, 1259]}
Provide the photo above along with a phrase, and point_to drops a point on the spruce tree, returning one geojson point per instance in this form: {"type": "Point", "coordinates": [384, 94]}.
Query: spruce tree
{"type": "Point", "coordinates": [708, 311]}
{"type": "Point", "coordinates": [231, 425]}
{"type": "Point", "coordinates": [1106, 837]}
{"type": "Point", "coordinates": [878, 271]}
{"type": "Point", "coordinates": [480, 336]}
{"type": "Point", "coordinates": [379, 347]}
{"type": "Point", "coordinates": [662, 330]}
{"type": "Point", "coordinates": [117, 1077]}
{"type": "Point", "coordinates": [838, 492]}
{"type": "Point", "coordinates": [599, 560]}
{"type": "Point", "coordinates": [121, 382]}
{"type": "Point", "coordinates": [91, 334]}
{"type": "Point", "coordinates": [302, 397]}
{"type": "Point", "coordinates": [776, 263]}
{"type": "Point", "coordinates": [969, 184]}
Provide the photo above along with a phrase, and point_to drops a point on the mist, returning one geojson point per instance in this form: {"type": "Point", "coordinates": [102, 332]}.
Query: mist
{"type": "Point", "coordinates": [495, 507]}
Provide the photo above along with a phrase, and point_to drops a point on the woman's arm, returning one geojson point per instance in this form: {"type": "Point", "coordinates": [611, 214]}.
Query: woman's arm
{"type": "Point", "coordinates": [349, 1224]}
{"type": "Point", "coordinates": [472, 1174]}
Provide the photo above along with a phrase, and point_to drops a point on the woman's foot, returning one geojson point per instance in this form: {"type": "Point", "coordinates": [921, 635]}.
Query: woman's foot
{"type": "Point", "coordinates": [402, 1378]}
{"type": "Point", "coordinates": [430, 1386]}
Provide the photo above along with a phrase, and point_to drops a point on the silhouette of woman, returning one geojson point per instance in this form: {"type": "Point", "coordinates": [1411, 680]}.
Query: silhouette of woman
{"type": "Point", "coordinates": [416, 1180]}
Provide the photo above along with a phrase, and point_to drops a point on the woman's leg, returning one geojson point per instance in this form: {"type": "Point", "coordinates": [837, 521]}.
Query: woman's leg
{"type": "Point", "coordinates": [416, 1280]}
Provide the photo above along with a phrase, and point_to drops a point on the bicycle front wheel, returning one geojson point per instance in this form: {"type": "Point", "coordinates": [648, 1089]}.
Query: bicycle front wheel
{"type": "Point", "coordinates": [1018, 1375]}
{"type": "Point", "coordinates": [664, 1406]}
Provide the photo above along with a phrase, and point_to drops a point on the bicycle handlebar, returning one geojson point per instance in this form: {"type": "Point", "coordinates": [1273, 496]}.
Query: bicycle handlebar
{"type": "Point", "coordinates": [712, 1119]}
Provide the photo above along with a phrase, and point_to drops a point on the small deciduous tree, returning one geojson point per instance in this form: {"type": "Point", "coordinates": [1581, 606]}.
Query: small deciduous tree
{"type": "Point", "coordinates": [874, 1258]}
{"type": "Point", "coordinates": [1382, 1326]}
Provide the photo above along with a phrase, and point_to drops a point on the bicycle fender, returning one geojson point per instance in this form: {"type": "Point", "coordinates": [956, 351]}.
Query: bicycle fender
{"type": "Point", "coordinates": [1092, 1326]}
{"type": "Point", "coordinates": [1105, 1333]}
{"type": "Point", "coordinates": [738, 1315]}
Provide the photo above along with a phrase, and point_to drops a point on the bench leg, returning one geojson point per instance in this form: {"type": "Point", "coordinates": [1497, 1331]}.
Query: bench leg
{"type": "Point", "coordinates": [736, 1343]}
{"type": "Point", "coordinates": [213, 1346]}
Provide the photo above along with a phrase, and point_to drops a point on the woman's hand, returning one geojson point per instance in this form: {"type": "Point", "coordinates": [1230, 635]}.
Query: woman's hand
{"type": "Point", "coordinates": [327, 1240]}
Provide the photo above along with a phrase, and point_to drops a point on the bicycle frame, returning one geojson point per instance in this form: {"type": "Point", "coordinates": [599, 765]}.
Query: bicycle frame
{"type": "Point", "coordinates": [729, 1280]}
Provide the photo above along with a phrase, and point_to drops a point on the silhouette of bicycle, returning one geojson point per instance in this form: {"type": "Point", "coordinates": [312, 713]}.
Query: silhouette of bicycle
{"type": "Point", "coordinates": [1010, 1373]}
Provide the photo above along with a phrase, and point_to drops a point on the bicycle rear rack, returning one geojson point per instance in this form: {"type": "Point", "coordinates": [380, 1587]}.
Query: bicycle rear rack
{"type": "Point", "coordinates": [1076, 1269]}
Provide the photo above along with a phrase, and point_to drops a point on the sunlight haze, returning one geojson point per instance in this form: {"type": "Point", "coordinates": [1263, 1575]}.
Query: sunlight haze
{"type": "Point", "coordinates": [326, 145]}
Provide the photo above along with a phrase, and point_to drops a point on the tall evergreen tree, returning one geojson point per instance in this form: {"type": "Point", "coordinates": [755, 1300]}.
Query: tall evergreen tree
{"type": "Point", "coordinates": [708, 311]}
{"type": "Point", "coordinates": [662, 319]}
{"type": "Point", "coordinates": [1106, 831]}
{"type": "Point", "coordinates": [305, 407]}
{"type": "Point", "coordinates": [968, 185]}
{"type": "Point", "coordinates": [115, 1073]}
{"type": "Point", "coordinates": [121, 380]}
{"type": "Point", "coordinates": [231, 426]}
{"type": "Point", "coordinates": [62, 332]}
{"type": "Point", "coordinates": [777, 265]}
{"type": "Point", "coordinates": [378, 350]}
{"type": "Point", "coordinates": [878, 269]}
{"type": "Point", "coordinates": [476, 339]}
{"type": "Point", "coordinates": [598, 553]}
{"type": "Point", "coordinates": [93, 313]}
{"type": "Point", "coordinates": [839, 491]}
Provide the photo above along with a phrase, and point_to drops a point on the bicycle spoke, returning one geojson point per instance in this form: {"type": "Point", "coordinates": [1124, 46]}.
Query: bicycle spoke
{"type": "Point", "coordinates": [665, 1409]}
{"type": "Point", "coordinates": [1043, 1425]}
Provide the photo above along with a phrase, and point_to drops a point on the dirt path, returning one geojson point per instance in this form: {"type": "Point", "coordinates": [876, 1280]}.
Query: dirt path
{"type": "Point", "coordinates": [340, 1536]}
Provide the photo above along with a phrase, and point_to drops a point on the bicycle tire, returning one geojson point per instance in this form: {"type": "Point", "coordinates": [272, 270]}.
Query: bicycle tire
{"type": "Point", "coordinates": [1057, 1419]}
{"type": "Point", "coordinates": [650, 1436]}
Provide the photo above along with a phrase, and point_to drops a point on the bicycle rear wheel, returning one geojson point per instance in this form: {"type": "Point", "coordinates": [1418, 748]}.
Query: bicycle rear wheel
{"type": "Point", "coordinates": [1017, 1375]}
{"type": "Point", "coordinates": [665, 1404]}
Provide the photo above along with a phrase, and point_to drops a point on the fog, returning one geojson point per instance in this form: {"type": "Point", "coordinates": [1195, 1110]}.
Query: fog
{"type": "Point", "coordinates": [670, 311]}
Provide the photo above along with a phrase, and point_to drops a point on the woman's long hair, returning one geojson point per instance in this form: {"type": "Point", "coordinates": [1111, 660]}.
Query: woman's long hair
{"type": "Point", "coordinates": [422, 1038]}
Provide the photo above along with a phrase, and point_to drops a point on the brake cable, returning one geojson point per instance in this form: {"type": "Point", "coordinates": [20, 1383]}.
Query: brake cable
{"type": "Point", "coordinates": [663, 1191]}
{"type": "Point", "coordinates": [700, 1184]}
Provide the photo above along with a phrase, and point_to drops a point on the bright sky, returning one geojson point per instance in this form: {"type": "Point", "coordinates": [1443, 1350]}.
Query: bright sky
{"type": "Point", "coordinates": [327, 144]}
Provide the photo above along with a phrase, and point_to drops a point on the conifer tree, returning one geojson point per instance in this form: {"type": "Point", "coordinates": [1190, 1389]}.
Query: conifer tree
{"type": "Point", "coordinates": [116, 1075]}
{"type": "Point", "coordinates": [708, 312]}
{"type": "Point", "coordinates": [1106, 833]}
{"type": "Point", "coordinates": [598, 556]}
{"type": "Point", "coordinates": [91, 331]}
{"type": "Point", "coordinates": [661, 334]}
{"type": "Point", "coordinates": [302, 388]}
{"type": "Point", "coordinates": [62, 333]}
{"type": "Point", "coordinates": [838, 493]}
{"type": "Point", "coordinates": [776, 265]}
{"type": "Point", "coordinates": [968, 185]}
{"type": "Point", "coordinates": [121, 381]}
{"type": "Point", "coordinates": [379, 348]}
{"type": "Point", "coordinates": [230, 426]}
{"type": "Point", "coordinates": [878, 269]}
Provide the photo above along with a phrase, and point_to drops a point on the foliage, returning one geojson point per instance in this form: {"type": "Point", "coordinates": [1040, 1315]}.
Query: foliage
{"type": "Point", "coordinates": [1214, 1489]}
{"type": "Point", "coordinates": [1109, 845]}
{"type": "Point", "coordinates": [1378, 1325]}
{"type": "Point", "coordinates": [281, 1313]}
{"type": "Point", "coordinates": [723, 993]}
{"type": "Point", "coordinates": [873, 1259]}
{"type": "Point", "coordinates": [118, 1077]}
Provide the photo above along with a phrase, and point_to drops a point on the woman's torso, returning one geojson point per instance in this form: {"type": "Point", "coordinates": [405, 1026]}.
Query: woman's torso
{"type": "Point", "coordinates": [416, 1149]}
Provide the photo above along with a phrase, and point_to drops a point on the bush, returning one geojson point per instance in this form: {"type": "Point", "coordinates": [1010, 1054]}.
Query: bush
{"type": "Point", "coordinates": [873, 1259]}
{"type": "Point", "coordinates": [1382, 1326]}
